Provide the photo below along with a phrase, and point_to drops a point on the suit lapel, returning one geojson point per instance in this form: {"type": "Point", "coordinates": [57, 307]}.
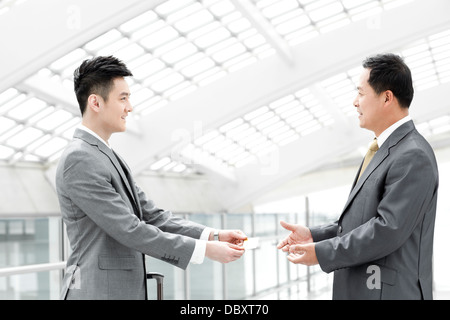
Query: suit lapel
{"type": "Point", "coordinates": [114, 158]}
{"type": "Point", "coordinates": [128, 179]}
{"type": "Point", "coordinates": [379, 157]}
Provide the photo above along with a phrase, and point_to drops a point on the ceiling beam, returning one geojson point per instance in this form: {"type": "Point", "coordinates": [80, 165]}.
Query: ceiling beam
{"type": "Point", "coordinates": [263, 26]}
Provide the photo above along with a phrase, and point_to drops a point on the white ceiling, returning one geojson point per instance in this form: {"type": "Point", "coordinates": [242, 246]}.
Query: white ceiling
{"type": "Point", "coordinates": [247, 92]}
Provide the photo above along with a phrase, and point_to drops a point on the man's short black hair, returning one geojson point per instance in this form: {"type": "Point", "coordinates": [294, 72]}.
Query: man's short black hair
{"type": "Point", "coordinates": [96, 76]}
{"type": "Point", "coordinates": [390, 72]}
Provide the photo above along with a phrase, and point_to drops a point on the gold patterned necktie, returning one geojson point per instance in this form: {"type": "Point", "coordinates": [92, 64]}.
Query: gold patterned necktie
{"type": "Point", "coordinates": [369, 155]}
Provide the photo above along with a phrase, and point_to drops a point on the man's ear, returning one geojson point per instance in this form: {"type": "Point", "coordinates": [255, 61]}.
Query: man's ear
{"type": "Point", "coordinates": [388, 96]}
{"type": "Point", "coordinates": [93, 103]}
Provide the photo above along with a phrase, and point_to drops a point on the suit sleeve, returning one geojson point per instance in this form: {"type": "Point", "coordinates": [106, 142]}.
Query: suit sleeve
{"type": "Point", "coordinates": [93, 193]}
{"type": "Point", "coordinates": [324, 232]}
{"type": "Point", "coordinates": [409, 186]}
{"type": "Point", "coordinates": [165, 220]}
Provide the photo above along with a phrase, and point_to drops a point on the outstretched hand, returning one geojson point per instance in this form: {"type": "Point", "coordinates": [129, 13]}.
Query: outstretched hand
{"type": "Point", "coordinates": [236, 237]}
{"type": "Point", "coordinates": [299, 235]}
{"type": "Point", "coordinates": [303, 254]}
{"type": "Point", "coordinates": [223, 252]}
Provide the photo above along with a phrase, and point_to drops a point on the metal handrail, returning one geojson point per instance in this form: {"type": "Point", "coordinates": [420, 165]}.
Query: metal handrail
{"type": "Point", "coordinates": [4, 272]}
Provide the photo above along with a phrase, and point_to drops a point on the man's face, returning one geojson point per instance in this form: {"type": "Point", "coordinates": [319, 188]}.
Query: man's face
{"type": "Point", "coordinates": [116, 108]}
{"type": "Point", "coordinates": [368, 104]}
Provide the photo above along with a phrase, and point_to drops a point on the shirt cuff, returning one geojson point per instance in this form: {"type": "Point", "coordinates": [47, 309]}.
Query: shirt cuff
{"type": "Point", "coordinates": [200, 247]}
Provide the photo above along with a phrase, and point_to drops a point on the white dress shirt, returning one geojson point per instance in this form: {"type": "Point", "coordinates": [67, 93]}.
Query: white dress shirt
{"type": "Point", "coordinates": [386, 133]}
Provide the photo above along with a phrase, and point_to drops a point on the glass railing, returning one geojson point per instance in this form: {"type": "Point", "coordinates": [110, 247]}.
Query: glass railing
{"type": "Point", "coordinates": [33, 250]}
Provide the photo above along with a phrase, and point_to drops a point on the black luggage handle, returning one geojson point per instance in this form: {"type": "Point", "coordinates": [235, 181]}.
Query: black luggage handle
{"type": "Point", "coordinates": [159, 277]}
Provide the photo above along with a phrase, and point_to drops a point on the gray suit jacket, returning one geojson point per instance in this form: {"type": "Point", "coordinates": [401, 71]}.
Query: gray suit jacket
{"type": "Point", "coordinates": [111, 225]}
{"type": "Point", "coordinates": [381, 246]}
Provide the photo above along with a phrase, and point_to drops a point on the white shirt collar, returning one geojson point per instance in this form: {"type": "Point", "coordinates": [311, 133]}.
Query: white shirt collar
{"type": "Point", "coordinates": [386, 133]}
{"type": "Point", "coordinates": [84, 128]}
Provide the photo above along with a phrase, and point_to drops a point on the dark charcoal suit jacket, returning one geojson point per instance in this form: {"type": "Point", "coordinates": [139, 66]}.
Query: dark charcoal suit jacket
{"type": "Point", "coordinates": [381, 246]}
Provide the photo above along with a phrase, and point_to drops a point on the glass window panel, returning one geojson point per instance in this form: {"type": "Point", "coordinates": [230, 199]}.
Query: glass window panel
{"type": "Point", "coordinates": [262, 118]}
{"type": "Point", "coordinates": [6, 152]}
{"type": "Point", "coordinates": [169, 81]}
{"type": "Point", "coordinates": [239, 25]}
{"type": "Point", "coordinates": [103, 41]}
{"type": "Point", "coordinates": [139, 22]}
{"type": "Point", "coordinates": [279, 126]}
{"type": "Point", "coordinates": [179, 53]}
{"type": "Point", "coordinates": [24, 137]}
{"type": "Point", "coordinates": [198, 67]}
{"type": "Point", "coordinates": [41, 115]}
{"type": "Point", "coordinates": [270, 121]}
{"type": "Point", "coordinates": [160, 163]}
{"type": "Point", "coordinates": [159, 37]}
{"type": "Point", "coordinates": [37, 143]}
{"type": "Point", "coordinates": [326, 11]}
{"type": "Point", "coordinates": [69, 59]}
{"type": "Point", "coordinates": [237, 132]}
{"type": "Point", "coordinates": [222, 8]}
{"type": "Point", "coordinates": [231, 125]}
{"type": "Point", "coordinates": [7, 95]}
{"type": "Point", "coordinates": [177, 10]}
{"type": "Point", "coordinates": [27, 109]}
{"type": "Point", "coordinates": [278, 8]}
{"type": "Point", "coordinates": [194, 21]}
{"type": "Point", "coordinates": [148, 69]}
{"type": "Point", "coordinates": [129, 52]}
{"type": "Point", "coordinates": [180, 90]}
{"type": "Point", "coordinates": [213, 37]}
{"type": "Point", "coordinates": [6, 124]}
{"type": "Point", "coordinates": [114, 47]}
{"type": "Point", "coordinates": [139, 34]}
{"type": "Point", "coordinates": [56, 119]}
{"type": "Point", "coordinates": [11, 132]}
{"type": "Point", "coordinates": [292, 25]}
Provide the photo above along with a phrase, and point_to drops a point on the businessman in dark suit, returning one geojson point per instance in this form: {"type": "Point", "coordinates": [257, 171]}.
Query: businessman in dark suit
{"type": "Point", "coordinates": [381, 246]}
{"type": "Point", "coordinates": [111, 224]}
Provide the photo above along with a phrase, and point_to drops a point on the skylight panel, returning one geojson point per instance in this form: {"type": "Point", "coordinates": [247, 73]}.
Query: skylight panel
{"type": "Point", "coordinates": [9, 133]}
{"type": "Point", "coordinates": [160, 163]}
{"type": "Point", "coordinates": [326, 11]}
{"type": "Point", "coordinates": [24, 137]}
{"type": "Point", "coordinates": [279, 8]}
{"type": "Point", "coordinates": [139, 22]}
{"type": "Point", "coordinates": [194, 21]}
{"type": "Point", "coordinates": [54, 120]}
{"type": "Point", "coordinates": [27, 109]}
{"type": "Point", "coordinates": [69, 59]}
{"type": "Point", "coordinates": [215, 35]}
{"type": "Point", "coordinates": [6, 152]}
{"type": "Point", "coordinates": [6, 124]}
{"type": "Point", "coordinates": [175, 10]}
{"type": "Point", "coordinates": [51, 147]}
{"type": "Point", "coordinates": [12, 102]}
{"type": "Point", "coordinates": [221, 8]}
{"type": "Point", "coordinates": [104, 40]}
{"type": "Point", "coordinates": [391, 4]}
{"type": "Point", "coordinates": [8, 95]}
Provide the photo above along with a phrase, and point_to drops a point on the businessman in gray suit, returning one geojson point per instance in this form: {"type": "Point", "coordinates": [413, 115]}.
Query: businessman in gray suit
{"type": "Point", "coordinates": [111, 224]}
{"type": "Point", "coordinates": [381, 246]}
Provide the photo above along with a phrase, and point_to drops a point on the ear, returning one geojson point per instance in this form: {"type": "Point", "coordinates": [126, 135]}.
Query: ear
{"type": "Point", "coordinates": [93, 103]}
{"type": "Point", "coordinates": [388, 96]}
